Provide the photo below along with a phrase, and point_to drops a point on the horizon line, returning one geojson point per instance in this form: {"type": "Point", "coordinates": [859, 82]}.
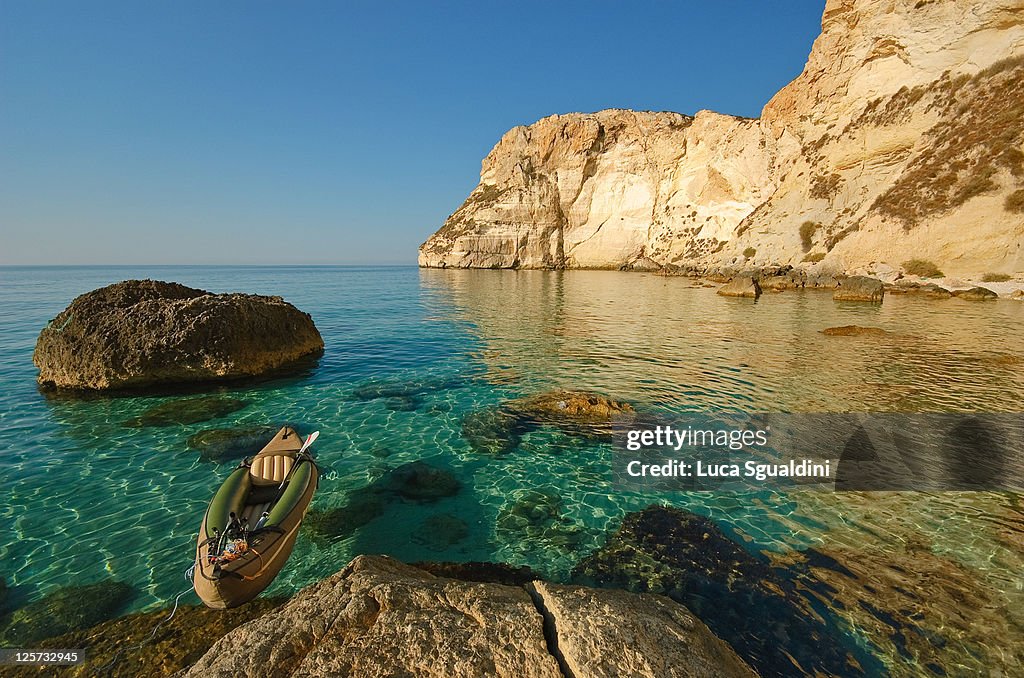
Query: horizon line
{"type": "Point", "coordinates": [378, 265]}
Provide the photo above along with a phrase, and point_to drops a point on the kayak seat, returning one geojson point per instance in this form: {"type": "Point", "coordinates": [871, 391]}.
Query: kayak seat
{"type": "Point", "coordinates": [270, 469]}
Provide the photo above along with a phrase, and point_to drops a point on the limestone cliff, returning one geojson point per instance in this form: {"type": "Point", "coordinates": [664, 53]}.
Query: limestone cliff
{"type": "Point", "coordinates": [901, 139]}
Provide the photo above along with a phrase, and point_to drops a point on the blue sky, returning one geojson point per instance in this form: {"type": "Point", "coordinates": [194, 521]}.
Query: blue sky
{"type": "Point", "coordinates": [326, 132]}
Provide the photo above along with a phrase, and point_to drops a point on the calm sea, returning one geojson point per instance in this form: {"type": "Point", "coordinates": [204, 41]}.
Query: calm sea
{"type": "Point", "coordinates": [89, 498]}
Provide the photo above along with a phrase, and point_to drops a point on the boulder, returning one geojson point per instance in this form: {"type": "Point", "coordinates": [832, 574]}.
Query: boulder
{"type": "Point", "coordinates": [777, 283]}
{"type": "Point", "coordinates": [741, 286]}
{"type": "Point", "coordinates": [144, 333]}
{"type": "Point", "coordinates": [859, 288]}
{"type": "Point", "coordinates": [976, 294]}
{"type": "Point", "coordinates": [380, 617]}
{"type": "Point", "coordinates": [1017, 295]}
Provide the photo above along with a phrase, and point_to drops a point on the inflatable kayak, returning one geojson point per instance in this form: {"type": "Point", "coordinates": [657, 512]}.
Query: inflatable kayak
{"type": "Point", "coordinates": [250, 527]}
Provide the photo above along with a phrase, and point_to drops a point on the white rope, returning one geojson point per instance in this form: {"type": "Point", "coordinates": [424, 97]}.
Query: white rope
{"type": "Point", "coordinates": [189, 575]}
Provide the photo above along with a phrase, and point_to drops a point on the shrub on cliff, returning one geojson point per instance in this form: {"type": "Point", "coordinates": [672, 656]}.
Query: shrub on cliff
{"type": "Point", "coordinates": [922, 268]}
{"type": "Point", "coordinates": [807, 230]}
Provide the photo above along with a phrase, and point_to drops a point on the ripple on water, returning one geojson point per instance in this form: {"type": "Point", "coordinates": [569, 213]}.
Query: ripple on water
{"type": "Point", "coordinates": [410, 354]}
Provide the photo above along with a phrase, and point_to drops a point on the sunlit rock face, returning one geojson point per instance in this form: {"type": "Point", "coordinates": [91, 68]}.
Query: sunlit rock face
{"type": "Point", "coordinates": [901, 139]}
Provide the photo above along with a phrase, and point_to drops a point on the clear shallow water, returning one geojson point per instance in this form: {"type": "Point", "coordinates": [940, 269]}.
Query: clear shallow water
{"type": "Point", "coordinates": [88, 498]}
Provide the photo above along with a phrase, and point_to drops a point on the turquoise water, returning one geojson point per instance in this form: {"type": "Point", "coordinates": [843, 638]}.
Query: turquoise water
{"type": "Point", "coordinates": [88, 498]}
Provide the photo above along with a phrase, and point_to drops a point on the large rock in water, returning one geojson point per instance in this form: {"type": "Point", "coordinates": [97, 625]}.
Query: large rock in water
{"type": "Point", "coordinates": [379, 617]}
{"type": "Point", "coordinates": [140, 333]}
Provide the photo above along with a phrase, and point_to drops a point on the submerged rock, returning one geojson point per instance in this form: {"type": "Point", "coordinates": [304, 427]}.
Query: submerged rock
{"type": "Point", "coordinates": [976, 294]}
{"type": "Point", "coordinates": [854, 331]}
{"type": "Point", "coordinates": [403, 403]}
{"type": "Point", "coordinates": [178, 644]}
{"type": "Point", "coordinates": [741, 286]}
{"type": "Point", "coordinates": [67, 609]}
{"type": "Point", "coordinates": [416, 481]}
{"type": "Point", "coordinates": [535, 517]}
{"type": "Point", "coordinates": [143, 333]}
{"type": "Point", "coordinates": [922, 609]}
{"type": "Point", "coordinates": [574, 412]}
{"type": "Point", "coordinates": [419, 481]}
{"type": "Point", "coordinates": [187, 411]}
{"type": "Point", "coordinates": [859, 288]}
{"type": "Point", "coordinates": [379, 617]}
{"type": "Point", "coordinates": [440, 531]}
{"type": "Point", "coordinates": [493, 431]}
{"type": "Point", "coordinates": [229, 444]}
{"type": "Point", "coordinates": [405, 388]}
{"type": "Point", "coordinates": [360, 508]}
{"type": "Point", "coordinates": [736, 593]}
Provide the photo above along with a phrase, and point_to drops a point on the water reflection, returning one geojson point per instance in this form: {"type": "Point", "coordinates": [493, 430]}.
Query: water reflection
{"type": "Point", "coordinates": [665, 341]}
{"type": "Point", "coordinates": [933, 581]}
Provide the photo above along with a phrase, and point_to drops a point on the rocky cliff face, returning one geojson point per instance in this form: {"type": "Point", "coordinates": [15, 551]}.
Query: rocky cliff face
{"type": "Point", "coordinates": [901, 139]}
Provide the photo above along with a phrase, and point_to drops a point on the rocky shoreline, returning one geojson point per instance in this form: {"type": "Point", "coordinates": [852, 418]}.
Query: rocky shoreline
{"type": "Point", "coordinates": [669, 593]}
{"type": "Point", "coordinates": [381, 617]}
{"type": "Point", "coordinates": [754, 282]}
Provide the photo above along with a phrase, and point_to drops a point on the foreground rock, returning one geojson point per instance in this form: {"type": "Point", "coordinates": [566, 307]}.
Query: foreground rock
{"type": "Point", "coordinates": [736, 593]}
{"type": "Point", "coordinates": [379, 617]}
{"type": "Point", "coordinates": [859, 288]}
{"type": "Point", "coordinates": [741, 286]}
{"type": "Point", "coordinates": [616, 633]}
{"type": "Point", "coordinates": [141, 333]}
